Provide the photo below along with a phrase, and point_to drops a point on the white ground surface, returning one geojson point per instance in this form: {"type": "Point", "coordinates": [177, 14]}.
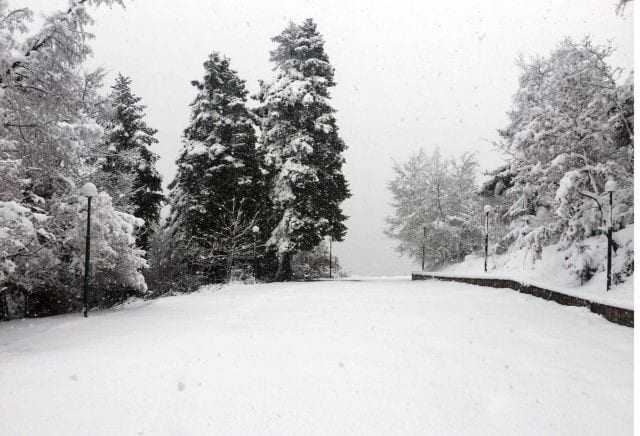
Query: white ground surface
{"type": "Point", "coordinates": [552, 273]}
{"type": "Point", "coordinates": [371, 357]}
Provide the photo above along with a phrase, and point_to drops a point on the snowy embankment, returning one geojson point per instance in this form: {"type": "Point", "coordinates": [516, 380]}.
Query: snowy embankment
{"type": "Point", "coordinates": [370, 357]}
{"type": "Point", "coordinates": [551, 271]}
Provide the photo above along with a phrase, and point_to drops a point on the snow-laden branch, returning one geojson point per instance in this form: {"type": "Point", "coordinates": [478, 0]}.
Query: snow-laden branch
{"type": "Point", "coordinates": [48, 33]}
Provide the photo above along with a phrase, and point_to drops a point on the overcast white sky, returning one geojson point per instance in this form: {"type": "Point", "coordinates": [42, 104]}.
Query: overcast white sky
{"type": "Point", "coordinates": [410, 74]}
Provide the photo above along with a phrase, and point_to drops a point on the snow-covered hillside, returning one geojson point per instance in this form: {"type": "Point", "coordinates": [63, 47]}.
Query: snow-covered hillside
{"type": "Point", "coordinates": [552, 270]}
{"type": "Point", "coordinates": [360, 357]}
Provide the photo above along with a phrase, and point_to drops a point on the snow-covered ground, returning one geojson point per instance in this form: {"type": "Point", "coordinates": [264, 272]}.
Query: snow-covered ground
{"type": "Point", "coordinates": [552, 273]}
{"type": "Point", "coordinates": [354, 357]}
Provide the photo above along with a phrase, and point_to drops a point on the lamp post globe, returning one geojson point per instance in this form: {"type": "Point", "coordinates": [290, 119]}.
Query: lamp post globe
{"type": "Point", "coordinates": [89, 190]}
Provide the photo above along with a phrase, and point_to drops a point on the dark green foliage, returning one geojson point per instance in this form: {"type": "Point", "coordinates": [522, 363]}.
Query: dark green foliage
{"type": "Point", "coordinates": [129, 165]}
{"type": "Point", "coordinates": [217, 194]}
{"type": "Point", "coordinates": [303, 149]}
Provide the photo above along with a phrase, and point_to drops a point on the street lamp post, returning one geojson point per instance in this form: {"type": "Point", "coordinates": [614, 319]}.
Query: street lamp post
{"type": "Point", "coordinates": [255, 230]}
{"type": "Point", "coordinates": [610, 187]}
{"type": "Point", "coordinates": [487, 211]}
{"type": "Point", "coordinates": [330, 257]}
{"type": "Point", "coordinates": [88, 190]}
{"type": "Point", "coordinates": [424, 242]}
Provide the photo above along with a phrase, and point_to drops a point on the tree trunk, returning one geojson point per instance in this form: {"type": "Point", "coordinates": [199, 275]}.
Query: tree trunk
{"type": "Point", "coordinates": [230, 258]}
{"type": "Point", "coordinates": [284, 273]}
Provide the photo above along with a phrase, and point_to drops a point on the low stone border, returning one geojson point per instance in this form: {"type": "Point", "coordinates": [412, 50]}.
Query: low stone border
{"type": "Point", "coordinates": [614, 314]}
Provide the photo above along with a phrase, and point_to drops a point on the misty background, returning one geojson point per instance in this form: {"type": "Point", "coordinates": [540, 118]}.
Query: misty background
{"type": "Point", "coordinates": [409, 74]}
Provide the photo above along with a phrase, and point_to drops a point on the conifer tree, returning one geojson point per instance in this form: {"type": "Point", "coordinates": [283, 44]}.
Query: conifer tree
{"type": "Point", "coordinates": [128, 169]}
{"type": "Point", "coordinates": [302, 146]}
{"type": "Point", "coordinates": [217, 167]}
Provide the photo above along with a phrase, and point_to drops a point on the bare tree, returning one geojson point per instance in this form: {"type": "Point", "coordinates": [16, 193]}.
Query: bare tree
{"type": "Point", "coordinates": [235, 241]}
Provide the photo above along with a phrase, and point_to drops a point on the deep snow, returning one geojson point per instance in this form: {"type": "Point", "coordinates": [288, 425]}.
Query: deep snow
{"type": "Point", "coordinates": [551, 271]}
{"type": "Point", "coordinates": [353, 357]}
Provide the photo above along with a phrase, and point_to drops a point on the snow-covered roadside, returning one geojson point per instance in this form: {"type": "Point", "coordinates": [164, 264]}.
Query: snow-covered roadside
{"type": "Point", "coordinates": [551, 272]}
{"type": "Point", "coordinates": [371, 357]}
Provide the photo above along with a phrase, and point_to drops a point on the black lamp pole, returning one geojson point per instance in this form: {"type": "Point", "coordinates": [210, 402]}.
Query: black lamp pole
{"type": "Point", "coordinates": [609, 187]}
{"type": "Point", "coordinates": [424, 242]}
{"type": "Point", "coordinates": [255, 230]}
{"type": "Point", "coordinates": [330, 258]}
{"type": "Point", "coordinates": [486, 240]}
{"type": "Point", "coordinates": [87, 255]}
{"type": "Point", "coordinates": [609, 240]}
{"type": "Point", "coordinates": [255, 258]}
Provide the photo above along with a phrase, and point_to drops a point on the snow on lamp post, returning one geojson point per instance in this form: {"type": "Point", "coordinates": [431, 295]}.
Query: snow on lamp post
{"type": "Point", "coordinates": [609, 188]}
{"type": "Point", "coordinates": [255, 230]}
{"type": "Point", "coordinates": [487, 211]}
{"type": "Point", "coordinates": [88, 190]}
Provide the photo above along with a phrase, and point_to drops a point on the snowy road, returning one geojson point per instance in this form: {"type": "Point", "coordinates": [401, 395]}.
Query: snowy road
{"type": "Point", "coordinates": [372, 357]}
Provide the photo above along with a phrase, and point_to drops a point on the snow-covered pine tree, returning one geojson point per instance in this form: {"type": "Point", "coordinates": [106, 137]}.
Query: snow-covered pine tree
{"type": "Point", "coordinates": [302, 146]}
{"type": "Point", "coordinates": [128, 170]}
{"type": "Point", "coordinates": [217, 167]}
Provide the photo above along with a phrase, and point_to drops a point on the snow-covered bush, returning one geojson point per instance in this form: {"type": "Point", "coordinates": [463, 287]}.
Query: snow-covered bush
{"type": "Point", "coordinates": [116, 262]}
{"type": "Point", "coordinates": [42, 255]}
{"type": "Point", "coordinates": [623, 262]}
{"type": "Point", "coordinates": [314, 264]}
{"type": "Point", "coordinates": [23, 246]}
{"type": "Point", "coordinates": [583, 261]}
{"type": "Point", "coordinates": [586, 258]}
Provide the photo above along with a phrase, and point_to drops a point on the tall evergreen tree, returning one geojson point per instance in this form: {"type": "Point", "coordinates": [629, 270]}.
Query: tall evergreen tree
{"type": "Point", "coordinates": [129, 168]}
{"type": "Point", "coordinates": [217, 167]}
{"type": "Point", "coordinates": [302, 146]}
